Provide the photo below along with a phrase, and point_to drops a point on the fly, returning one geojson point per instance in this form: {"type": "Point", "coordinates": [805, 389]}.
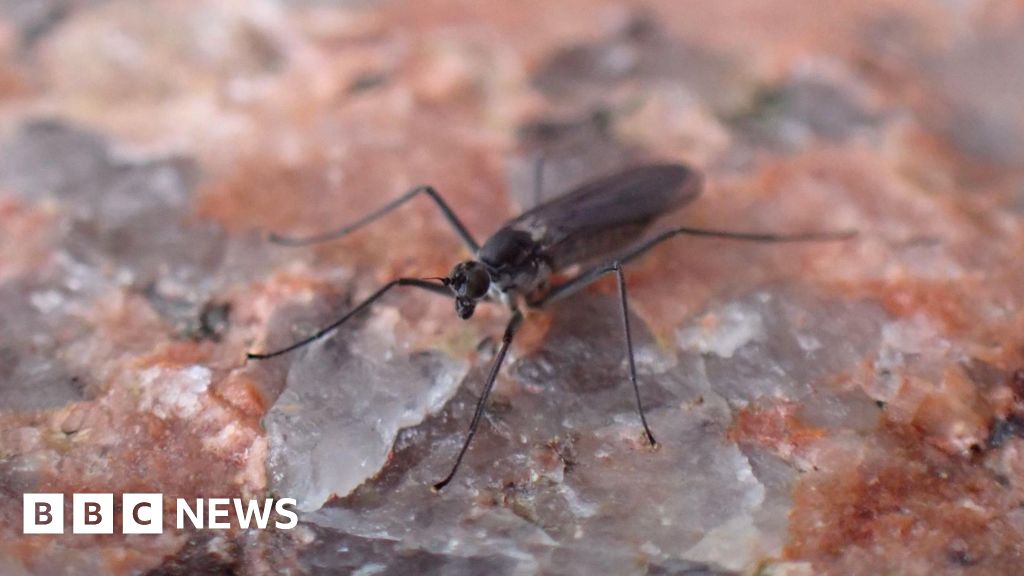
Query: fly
{"type": "Point", "coordinates": [596, 226]}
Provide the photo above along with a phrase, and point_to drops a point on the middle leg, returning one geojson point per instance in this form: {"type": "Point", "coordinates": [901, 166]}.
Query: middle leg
{"type": "Point", "coordinates": [588, 278]}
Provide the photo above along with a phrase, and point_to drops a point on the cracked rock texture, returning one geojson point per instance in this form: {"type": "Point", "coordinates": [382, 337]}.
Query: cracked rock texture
{"type": "Point", "coordinates": [844, 408]}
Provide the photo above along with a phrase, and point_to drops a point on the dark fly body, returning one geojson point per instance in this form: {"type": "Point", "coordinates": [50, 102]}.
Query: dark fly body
{"type": "Point", "coordinates": [597, 227]}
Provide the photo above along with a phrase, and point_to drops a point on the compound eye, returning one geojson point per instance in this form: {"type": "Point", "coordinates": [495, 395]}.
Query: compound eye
{"type": "Point", "coordinates": [478, 282]}
{"type": "Point", "coordinates": [470, 280]}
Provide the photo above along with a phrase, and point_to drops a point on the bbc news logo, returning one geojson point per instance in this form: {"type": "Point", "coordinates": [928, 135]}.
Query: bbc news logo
{"type": "Point", "coordinates": [144, 513]}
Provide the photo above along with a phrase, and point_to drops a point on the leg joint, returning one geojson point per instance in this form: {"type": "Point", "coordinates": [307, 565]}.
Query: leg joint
{"type": "Point", "coordinates": [512, 328]}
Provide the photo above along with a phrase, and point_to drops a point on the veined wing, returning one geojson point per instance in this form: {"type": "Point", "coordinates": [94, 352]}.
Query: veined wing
{"type": "Point", "coordinates": [605, 215]}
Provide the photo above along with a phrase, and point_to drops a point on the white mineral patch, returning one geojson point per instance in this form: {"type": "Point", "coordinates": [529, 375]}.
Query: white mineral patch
{"type": "Point", "coordinates": [345, 402]}
{"type": "Point", "coordinates": [46, 301]}
{"type": "Point", "coordinates": [579, 507]}
{"type": "Point", "coordinates": [723, 331]}
{"type": "Point", "coordinates": [915, 335]}
{"type": "Point", "coordinates": [169, 392]}
{"type": "Point", "coordinates": [735, 545]}
{"type": "Point", "coordinates": [908, 346]}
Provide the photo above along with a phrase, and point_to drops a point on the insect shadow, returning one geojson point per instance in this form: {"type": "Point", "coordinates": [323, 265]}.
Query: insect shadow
{"type": "Point", "coordinates": [597, 226]}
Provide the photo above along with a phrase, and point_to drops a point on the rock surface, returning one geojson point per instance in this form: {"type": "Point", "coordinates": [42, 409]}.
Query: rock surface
{"type": "Point", "coordinates": [844, 408]}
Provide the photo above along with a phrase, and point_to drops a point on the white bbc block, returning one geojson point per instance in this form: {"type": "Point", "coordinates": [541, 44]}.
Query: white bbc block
{"type": "Point", "coordinates": [142, 513]}
{"type": "Point", "coordinates": [43, 513]}
{"type": "Point", "coordinates": [92, 514]}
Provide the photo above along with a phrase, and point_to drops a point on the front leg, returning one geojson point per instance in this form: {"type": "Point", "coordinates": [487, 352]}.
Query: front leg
{"type": "Point", "coordinates": [506, 341]}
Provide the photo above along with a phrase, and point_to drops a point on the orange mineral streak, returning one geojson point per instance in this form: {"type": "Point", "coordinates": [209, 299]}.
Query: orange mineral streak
{"type": "Point", "coordinates": [954, 417]}
{"type": "Point", "coordinates": [945, 302]}
{"type": "Point", "coordinates": [265, 194]}
{"type": "Point", "coordinates": [244, 393]}
{"type": "Point", "coordinates": [159, 417]}
{"type": "Point", "coordinates": [899, 505]}
{"type": "Point", "coordinates": [776, 426]}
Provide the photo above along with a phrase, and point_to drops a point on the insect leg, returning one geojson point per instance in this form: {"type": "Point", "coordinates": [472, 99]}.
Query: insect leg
{"type": "Point", "coordinates": [643, 247]}
{"type": "Point", "coordinates": [574, 285]}
{"type": "Point", "coordinates": [414, 282]}
{"type": "Point", "coordinates": [587, 278]}
{"type": "Point", "coordinates": [447, 212]}
{"type": "Point", "coordinates": [506, 341]}
{"type": "Point", "coordinates": [617, 266]}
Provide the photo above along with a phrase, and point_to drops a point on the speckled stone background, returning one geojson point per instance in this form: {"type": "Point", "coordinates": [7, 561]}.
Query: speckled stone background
{"type": "Point", "coordinates": [851, 408]}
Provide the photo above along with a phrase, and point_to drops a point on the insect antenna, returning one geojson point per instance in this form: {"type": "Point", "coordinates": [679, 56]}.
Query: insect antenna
{"type": "Point", "coordinates": [421, 283]}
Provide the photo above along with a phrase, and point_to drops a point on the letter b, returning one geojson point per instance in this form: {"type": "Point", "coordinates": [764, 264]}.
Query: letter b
{"type": "Point", "coordinates": [43, 513]}
{"type": "Point", "coordinates": [92, 514]}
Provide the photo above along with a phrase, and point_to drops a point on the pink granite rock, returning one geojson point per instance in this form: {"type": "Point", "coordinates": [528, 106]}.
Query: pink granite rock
{"type": "Point", "coordinates": [852, 408]}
